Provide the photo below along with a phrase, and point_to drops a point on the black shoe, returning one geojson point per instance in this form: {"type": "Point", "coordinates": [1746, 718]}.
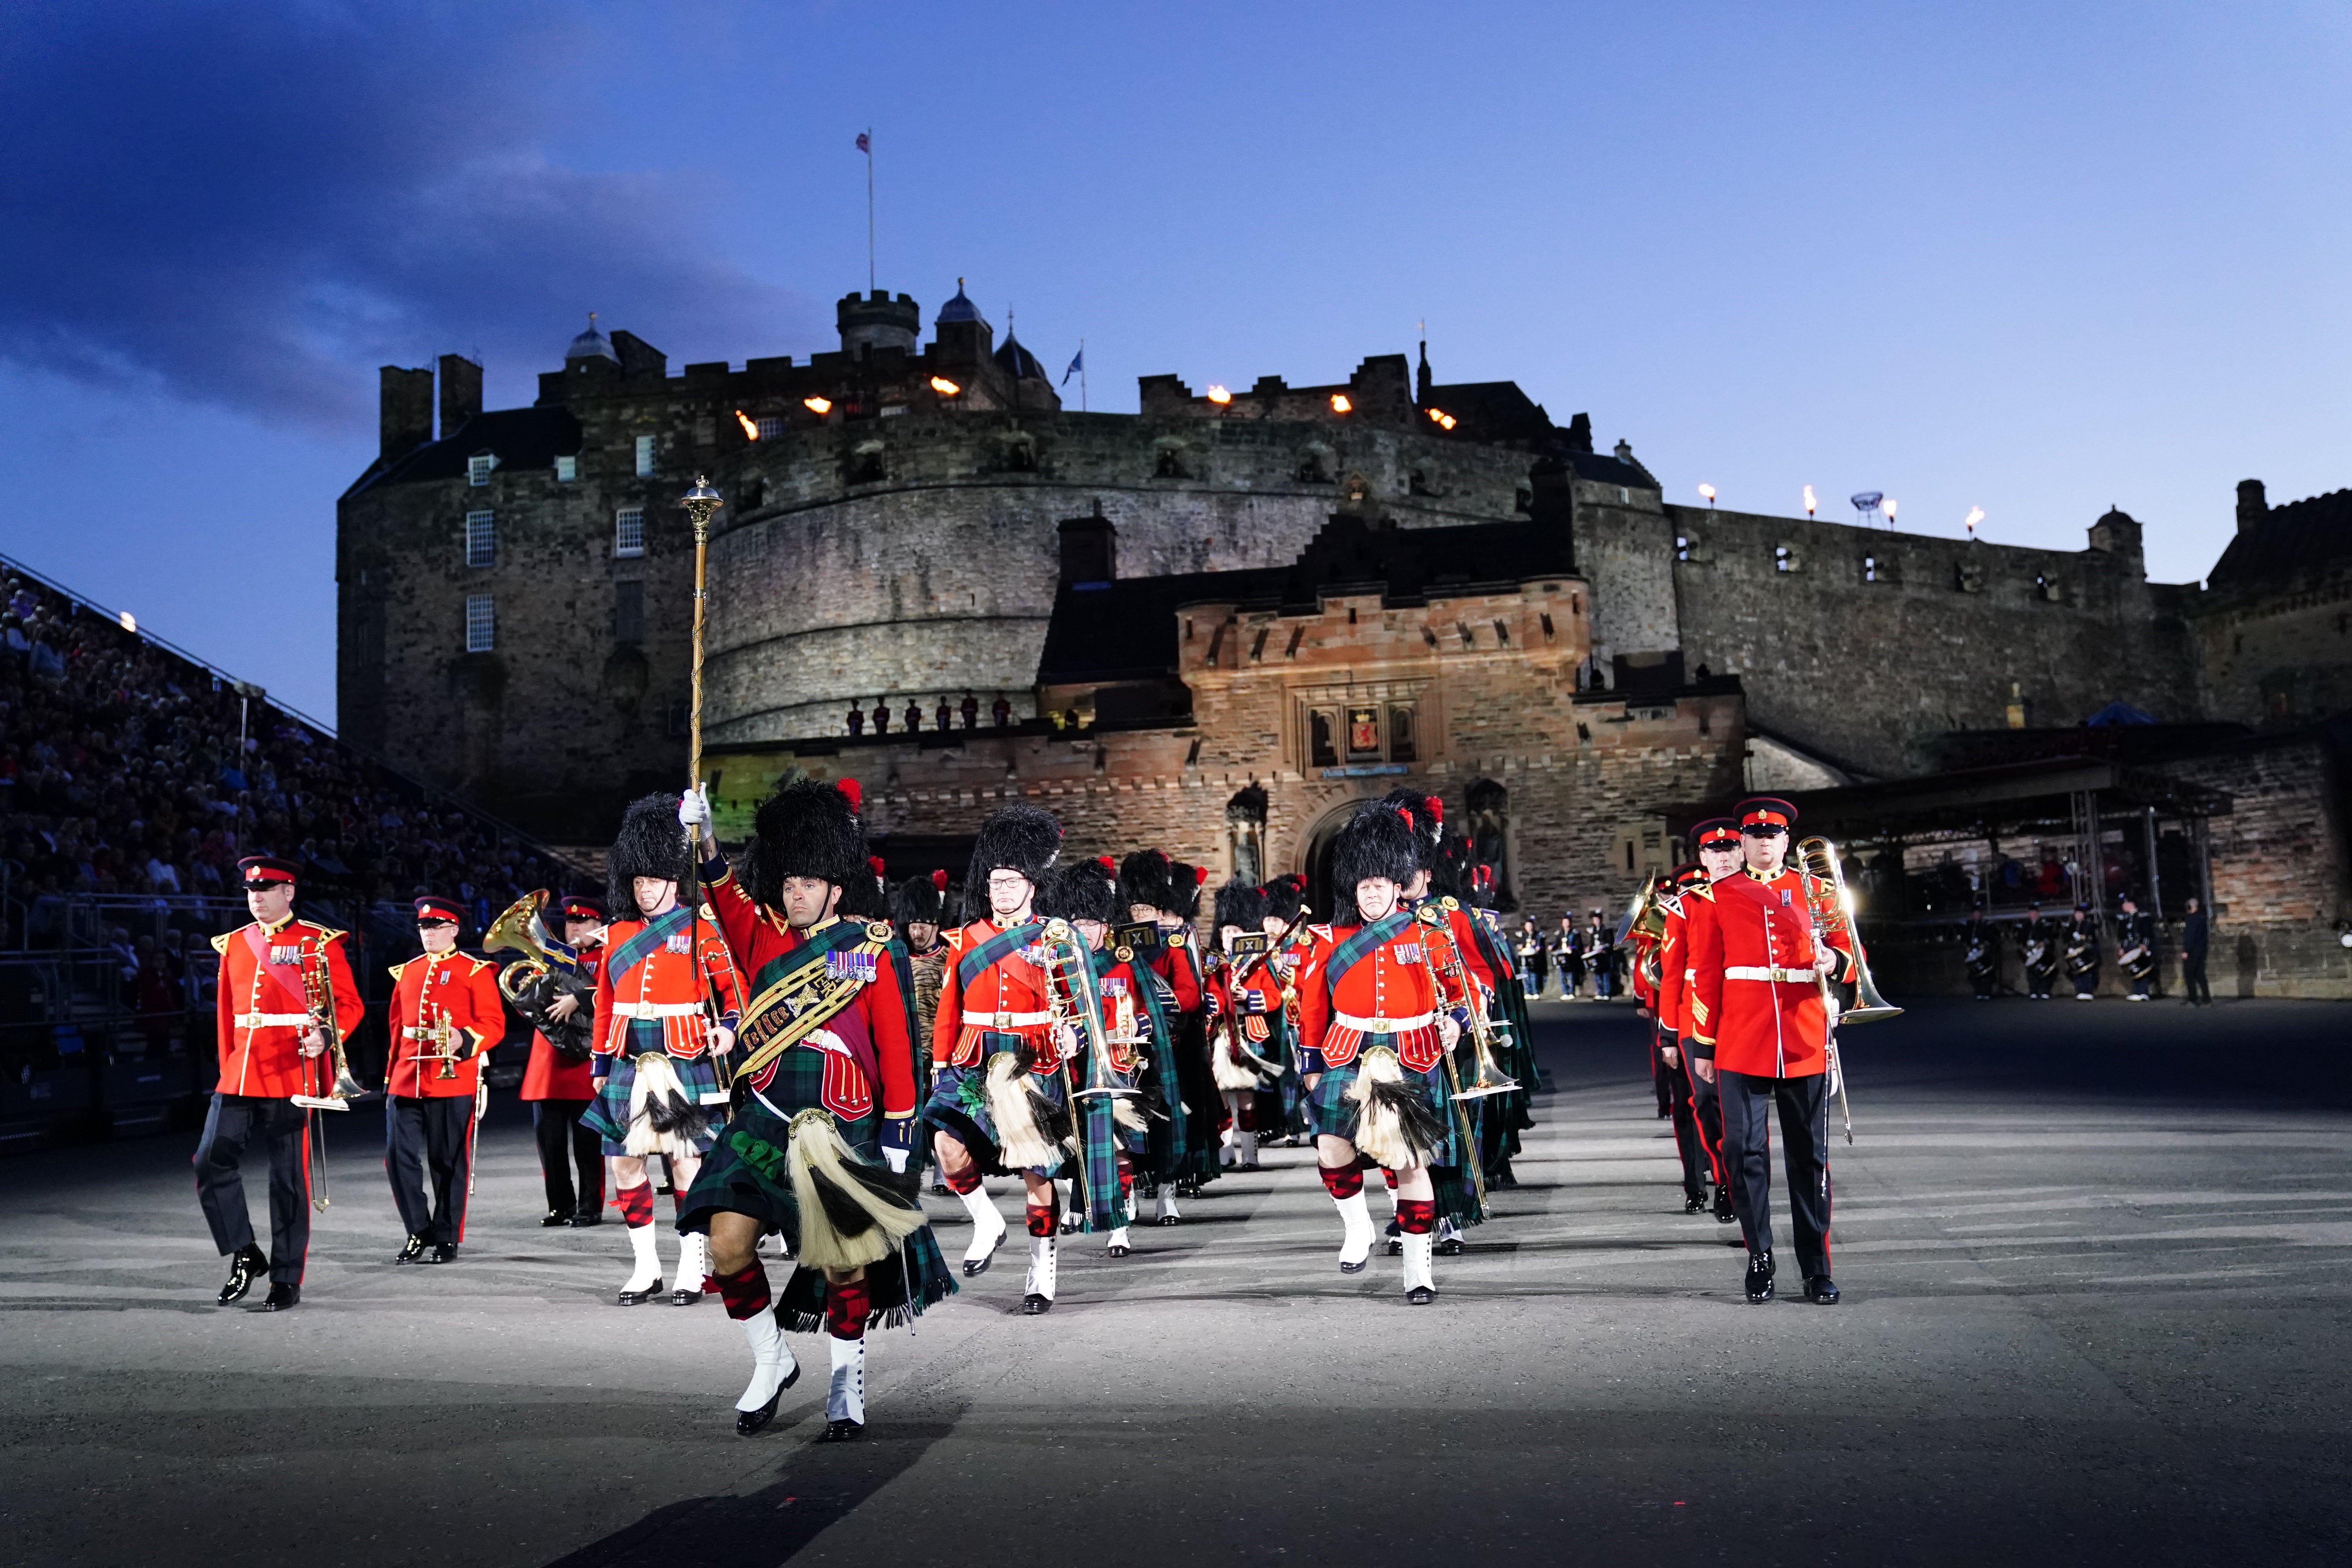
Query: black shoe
{"type": "Point", "coordinates": [1503, 1176]}
{"type": "Point", "coordinates": [413, 1252]}
{"type": "Point", "coordinates": [1724, 1214]}
{"type": "Point", "coordinates": [1115, 1250]}
{"type": "Point", "coordinates": [1420, 1296]}
{"type": "Point", "coordinates": [554, 1217]}
{"type": "Point", "coordinates": [1392, 1230]}
{"type": "Point", "coordinates": [750, 1423]}
{"type": "Point", "coordinates": [244, 1266]}
{"type": "Point", "coordinates": [1393, 1247]}
{"type": "Point", "coordinates": [1759, 1277]}
{"type": "Point", "coordinates": [1694, 1203]}
{"type": "Point", "coordinates": [973, 1267]}
{"type": "Point", "coordinates": [1821, 1289]}
{"type": "Point", "coordinates": [1033, 1305]}
{"type": "Point", "coordinates": [842, 1431]}
{"type": "Point", "coordinates": [1188, 1189]}
{"type": "Point", "coordinates": [638, 1297]}
{"type": "Point", "coordinates": [587, 1217]}
{"type": "Point", "coordinates": [1358, 1267]}
{"type": "Point", "coordinates": [443, 1252]}
{"type": "Point", "coordinates": [281, 1297]}
{"type": "Point", "coordinates": [1449, 1247]}
{"type": "Point", "coordinates": [684, 1297]}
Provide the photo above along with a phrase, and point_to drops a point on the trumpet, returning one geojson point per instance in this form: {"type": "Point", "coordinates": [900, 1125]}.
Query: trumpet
{"type": "Point", "coordinates": [1817, 859]}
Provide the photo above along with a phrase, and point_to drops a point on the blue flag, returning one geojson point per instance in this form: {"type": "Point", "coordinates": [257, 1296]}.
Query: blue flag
{"type": "Point", "coordinates": [1077, 363]}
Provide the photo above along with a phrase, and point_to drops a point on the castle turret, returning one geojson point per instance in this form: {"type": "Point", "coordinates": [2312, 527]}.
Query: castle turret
{"type": "Point", "coordinates": [962, 336]}
{"type": "Point", "coordinates": [876, 320]}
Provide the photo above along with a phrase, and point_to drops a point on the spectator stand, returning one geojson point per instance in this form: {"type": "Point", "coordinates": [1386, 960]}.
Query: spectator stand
{"type": "Point", "coordinates": [132, 775]}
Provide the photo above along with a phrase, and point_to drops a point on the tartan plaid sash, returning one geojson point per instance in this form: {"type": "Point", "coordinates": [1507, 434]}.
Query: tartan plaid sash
{"type": "Point", "coordinates": [647, 942]}
{"type": "Point", "coordinates": [773, 1024]}
{"type": "Point", "coordinates": [1367, 941]}
{"type": "Point", "coordinates": [995, 951]}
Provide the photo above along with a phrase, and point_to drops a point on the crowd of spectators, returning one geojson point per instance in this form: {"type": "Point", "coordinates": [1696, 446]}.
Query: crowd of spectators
{"type": "Point", "coordinates": [126, 769]}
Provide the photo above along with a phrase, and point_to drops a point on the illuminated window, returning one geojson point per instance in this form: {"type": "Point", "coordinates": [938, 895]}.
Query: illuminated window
{"type": "Point", "coordinates": [644, 456]}
{"type": "Point", "coordinates": [566, 469]}
{"type": "Point", "coordinates": [479, 466]}
{"type": "Point", "coordinates": [481, 539]}
{"type": "Point", "coordinates": [629, 530]}
{"type": "Point", "coordinates": [1783, 559]}
{"type": "Point", "coordinates": [771, 426]}
{"type": "Point", "coordinates": [482, 624]}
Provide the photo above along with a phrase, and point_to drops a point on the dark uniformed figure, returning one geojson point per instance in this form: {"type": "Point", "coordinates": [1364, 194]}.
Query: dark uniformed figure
{"type": "Point", "coordinates": [1600, 955]}
{"type": "Point", "coordinates": [2081, 953]}
{"type": "Point", "coordinates": [559, 1082]}
{"type": "Point", "coordinates": [1568, 957]}
{"type": "Point", "coordinates": [2042, 941]}
{"type": "Point", "coordinates": [284, 985]}
{"type": "Point", "coordinates": [2195, 934]}
{"type": "Point", "coordinates": [2136, 950]}
{"type": "Point", "coordinates": [447, 1013]}
{"type": "Point", "coordinates": [1983, 956]}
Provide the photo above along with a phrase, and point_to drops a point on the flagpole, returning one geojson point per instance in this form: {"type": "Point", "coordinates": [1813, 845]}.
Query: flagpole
{"type": "Point", "coordinates": [1082, 376]}
{"type": "Point", "coordinates": [869, 209]}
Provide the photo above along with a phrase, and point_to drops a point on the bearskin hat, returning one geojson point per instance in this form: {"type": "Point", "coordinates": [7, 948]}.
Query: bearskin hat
{"type": "Point", "coordinates": [1239, 904]}
{"type": "Point", "coordinates": [1427, 815]}
{"type": "Point", "coordinates": [1449, 867]}
{"type": "Point", "coordinates": [1021, 839]}
{"type": "Point", "coordinates": [1078, 892]}
{"type": "Point", "coordinates": [804, 829]}
{"type": "Point", "coordinates": [651, 843]}
{"type": "Point", "coordinates": [1377, 841]}
{"type": "Point", "coordinates": [920, 901]}
{"type": "Point", "coordinates": [1147, 877]}
{"type": "Point", "coordinates": [864, 898]}
{"type": "Point", "coordinates": [1185, 881]}
{"type": "Point", "coordinates": [1284, 894]}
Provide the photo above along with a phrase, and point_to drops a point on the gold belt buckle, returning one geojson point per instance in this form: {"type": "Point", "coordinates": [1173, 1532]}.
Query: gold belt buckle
{"type": "Point", "coordinates": [1004, 1021]}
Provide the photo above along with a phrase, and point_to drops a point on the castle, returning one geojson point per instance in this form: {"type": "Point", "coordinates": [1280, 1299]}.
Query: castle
{"type": "Point", "coordinates": [1217, 623]}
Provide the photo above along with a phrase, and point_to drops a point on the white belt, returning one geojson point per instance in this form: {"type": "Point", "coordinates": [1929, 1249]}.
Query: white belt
{"type": "Point", "coordinates": [1752, 971]}
{"type": "Point", "coordinates": [1013, 1020]}
{"type": "Point", "coordinates": [1383, 1025]}
{"type": "Point", "coordinates": [655, 1009]}
{"type": "Point", "coordinates": [273, 1020]}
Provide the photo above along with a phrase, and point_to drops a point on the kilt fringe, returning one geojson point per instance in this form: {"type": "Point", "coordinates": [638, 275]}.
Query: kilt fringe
{"type": "Point", "coordinates": [851, 1215]}
{"type": "Point", "coordinates": [912, 1278]}
{"type": "Point", "coordinates": [1395, 1127]}
{"type": "Point", "coordinates": [1233, 1076]}
{"type": "Point", "coordinates": [1031, 1131]}
{"type": "Point", "coordinates": [663, 1118]}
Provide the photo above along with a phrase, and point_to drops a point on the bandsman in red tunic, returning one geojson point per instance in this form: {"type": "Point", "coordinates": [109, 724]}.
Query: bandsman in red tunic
{"type": "Point", "coordinates": [667, 1001]}
{"type": "Point", "coordinates": [559, 1082]}
{"type": "Point", "coordinates": [285, 986]}
{"type": "Point", "coordinates": [1758, 982]}
{"type": "Point", "coordinates": [1664, 998]}
{"type": "Point", "coordinates": [1184, 1150]}
{"type": "Point", "coordinates": [1717, 842]}
{"type": "Point", "coordinates": [1243, 999]}
{"type": "Point", "coordinates": [447, 1014]}
{"type": "Point", "coordinates": [995, 1029]}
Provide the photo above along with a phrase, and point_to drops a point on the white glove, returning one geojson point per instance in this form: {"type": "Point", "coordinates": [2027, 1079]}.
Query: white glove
{"type": "Point", "coordinates": [896, 1159]}
{"type": "Point", "coordinates": [694, 806]}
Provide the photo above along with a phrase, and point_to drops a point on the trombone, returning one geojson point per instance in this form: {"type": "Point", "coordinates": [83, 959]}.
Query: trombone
{"type": "Point", "coordinates": [318, 1001]}
{"type": "Point", "coordinates": [1817, 868]}
{"type": "Point", "coordinates": [1489, 1079]}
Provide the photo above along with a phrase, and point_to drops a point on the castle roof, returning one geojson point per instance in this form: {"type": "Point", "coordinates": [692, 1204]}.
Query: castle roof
{"type": "Point", "coordinates": [2307, 539]}
{"type": "Point", "coordinates": [1491, 411]}
{"type": "Point", "coordinates": [960, 309]}
{"type": "Point", "coordinates": [518, 438]}
{"type": "Point", "coordinates": [1015, 360]}
{"type": "Point", "coordinates": [1126, 629]}
{"type": "Point", "coordinates": [591, 344]}
{"type": "Point", "coordinates": [1604, 469]}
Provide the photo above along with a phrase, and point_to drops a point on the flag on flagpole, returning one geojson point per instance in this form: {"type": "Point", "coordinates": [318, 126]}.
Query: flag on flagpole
{"type": "Point", "coordinates": [1077, 363]}
{"type": "Point", "coordinates": [864, 142]}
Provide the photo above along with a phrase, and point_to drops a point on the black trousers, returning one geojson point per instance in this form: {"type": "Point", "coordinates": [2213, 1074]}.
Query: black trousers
{"type": "Point", "coordinates": [1804, 1103]}
{"type": "Point", "coordinates": [233, 1121]}
{"type": "Point", "coordinates": [563, 1143]}
{"type": "Point", "coordinates": [1707, 1108]}
{"type": "Point", "coordinates": [2192, 977]}
{"type": "Point", "coordinates": [427, 1155]}
{"type": "Point", "coordinates": [2087, 983]}
{"type": "Point", "coordinates": [1679, 1102]}
{"type": "Point", "coordinates": [2037, 981]}
{"type": "Point", "coordinates": [1661, 1078]}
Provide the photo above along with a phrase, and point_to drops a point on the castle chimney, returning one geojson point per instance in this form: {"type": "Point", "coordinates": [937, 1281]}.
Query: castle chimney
{"type": "Point", "coordinates": [461, 392]}
{"type": "Point", "coordinates": [404, 409]}
{"type": "Point", "coordinates": [2253, 505]}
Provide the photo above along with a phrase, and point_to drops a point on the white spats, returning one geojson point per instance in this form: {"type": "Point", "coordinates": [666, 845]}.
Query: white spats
{"type": "Point", "coordinates": [646, 1275]}
{"type": "Point", "coordinates": [845, 1396]}
{"type": "Point", "coordinates": [1418, 1275]}
{"type": "Point", "coordinates": [1166, 1212]}
{"type": "Point", "coordinates": [1356, 1238]}
{"type": "Point", "coordinates": [1118, 1246]}
{"type": "Point", "coordinates": [772, 1360]}
{"type": "Point", "coordinates": [1245, 1149]}
{"type": "Point", "coordinates": [1042, 1261]}
{"type": "Point", "coordinates": [987, 1225]}
{"type": "Point", "coordinates": [694, 1262]}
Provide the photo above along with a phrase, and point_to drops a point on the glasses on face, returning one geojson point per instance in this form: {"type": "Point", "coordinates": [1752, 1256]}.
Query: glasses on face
{"type": "Point", "coordinates": [1006, 880]}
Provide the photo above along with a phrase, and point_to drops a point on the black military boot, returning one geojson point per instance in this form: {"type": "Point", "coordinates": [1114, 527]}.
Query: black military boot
{"type": "Point", "coordinates": [244, 1266]}
{"type": "Point", "coordinates": [1759, 1277]}
{"type": "Point", "coordinates": [282, 1296]}
{"type": "Point", "coordinates": [1722, 1212]}
{"type": "Point", "coordinates": [413, 1252]}
{"type": "Point", "coordinates": [1694, 1202]}
{"type": "Point", "coordinates": [1821, 1289]}
{"type": "Point", "coordinates": [554, 1217]}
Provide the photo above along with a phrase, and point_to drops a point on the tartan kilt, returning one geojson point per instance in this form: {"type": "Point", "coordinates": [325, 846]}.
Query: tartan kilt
{"type": "Point", "coordinates": [1337, 1116]}
{"type": "Point", "coordinates": [747, 1173]}
{"type": "Point", "coordinates": [959, 1107]}
{"type": "Point", "coordinates": [608, 1113]}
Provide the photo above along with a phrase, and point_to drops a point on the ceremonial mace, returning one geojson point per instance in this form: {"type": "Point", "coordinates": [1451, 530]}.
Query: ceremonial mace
{"type": "Point", "coordinates": [700, 503]}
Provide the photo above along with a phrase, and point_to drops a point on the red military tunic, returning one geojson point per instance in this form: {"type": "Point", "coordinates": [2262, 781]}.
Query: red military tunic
{"type": "Point", "coordinates": [670, 986]}
{"type": "Point", "coordinates": [1177, 961]}
{"type": "Point", "coordinates": [1674, 967]}
{"type": "Point", "coordinates": [261, 1010]}
{"type": "Point", "coordinates": [1387, 992]}
{"type": "Point", "coordinates": [1127, 1020]}
{"type": "Point", "coordinates": [428, 987]}
{"type": "Point", "coordinates": [1755, 1001]}
{"type": "Point", "coordinates": [1008, 997]}
{"type": "Point", "coordinates": [551, 1075]}
{"type": "Point", "coordinates": [1259, 997]}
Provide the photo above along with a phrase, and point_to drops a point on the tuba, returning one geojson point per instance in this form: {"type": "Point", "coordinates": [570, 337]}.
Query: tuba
{"type": "Point", "coordinates": [548, 969]}
{"type": "Point", "coordinates": [1817, 859]}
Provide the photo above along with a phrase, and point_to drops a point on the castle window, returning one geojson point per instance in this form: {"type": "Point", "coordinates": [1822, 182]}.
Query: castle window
{"type": "Point", "coordinates": [1624, 496]}
{"type": "Point", "coordinates": [755, 492]}
{"type": "Point", "coordinates": [2045, 589]}
{"type": "Point", "coordinates": [769, 425]}
{"type": "Point", "coordinates": [1547, 625]}
{"type": "Point", "coordinates": [1258, 645]}
{"type": "Point", "coordinates": [1418, 484]}
{"type": "Point", "coordinates": [628, 612]}
{"type": "Point", "coordinates": [1681, 547]}
{"type": "Point", "coordinates": [1322, 739]}
{"type": "Point", "coordinates": [644, 456]}
{"type": "Point", "coordinates": [865, 464]}
{"type": "Point", "coordinates": [481, 539]}
{"type": "Point", "coordinates": [629, 531]}
{"type": "Point", "coordinates": [479, 466]}
{"type": "Point", "coordinates": [1400, 747]}
{"type": "Point", "coordinates": [482, 624]}
{"type": "Point", "coordinates": [1296, 634]}
{"type": "Point", "coordinates": [1783, 558]}
{"type": "Point", "coordinates": [1467, 640]}
{"type": "Point", "coordinates": [1502, 633]}
{"type": "Point", "coordinates": [1312, 470]}
{"type": "Point", "coordinates": [1870, 568]}
{"type": "Point", "coordinates": [1168, 465]}
{"type": "Point", "coordinates": [567, 469]}
{"type": "Point", "coordinates": [1245, 831]}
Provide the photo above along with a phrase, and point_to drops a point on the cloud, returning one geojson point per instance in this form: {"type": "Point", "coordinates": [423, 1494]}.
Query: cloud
{"type": "Point", "coordinates": [250, 204]}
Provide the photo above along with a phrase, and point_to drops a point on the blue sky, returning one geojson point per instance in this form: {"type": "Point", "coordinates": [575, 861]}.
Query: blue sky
{"type": "Point", "coordinates": [2034, 258]}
